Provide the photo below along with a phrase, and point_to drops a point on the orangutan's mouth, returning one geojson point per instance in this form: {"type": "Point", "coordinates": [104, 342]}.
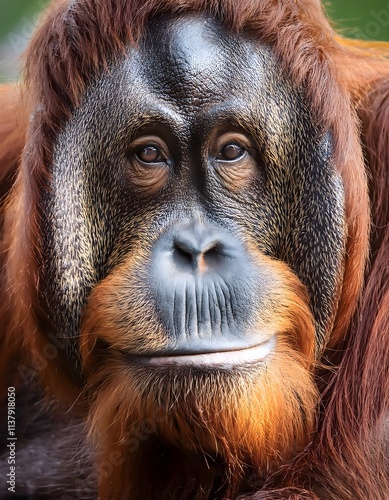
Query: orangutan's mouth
{"type": "Point", "coordinates": [225, 359]}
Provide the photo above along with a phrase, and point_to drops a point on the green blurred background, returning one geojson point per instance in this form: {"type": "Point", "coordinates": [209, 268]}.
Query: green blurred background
{"type": "Point", "coordinates": [368, 20]}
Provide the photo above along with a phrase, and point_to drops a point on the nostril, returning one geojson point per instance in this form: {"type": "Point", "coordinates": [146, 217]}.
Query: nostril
{"type": "Point", "coordinates": [212, 253]}
{"type": "Point", "coordinates": [212, 249]}
{"type": "Point", "coordinates": [196, 255]}
{"type": "Point", "coordinates": [183, 254]}
{"type": "Point", "coordinates": [201, 251]}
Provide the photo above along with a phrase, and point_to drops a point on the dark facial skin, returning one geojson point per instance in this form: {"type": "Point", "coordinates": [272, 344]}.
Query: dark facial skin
{"type": "Point", "coordinates": [195, 162]}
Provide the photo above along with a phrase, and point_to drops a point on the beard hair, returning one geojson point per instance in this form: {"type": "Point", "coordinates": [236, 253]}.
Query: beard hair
{"type": "Point", "coordinates": [195, 431]}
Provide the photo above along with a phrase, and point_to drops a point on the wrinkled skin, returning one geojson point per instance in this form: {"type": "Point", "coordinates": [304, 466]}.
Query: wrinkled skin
{"type": "Point", "coordinates": [187, 92]}
{"type": "Point", "coordinates": [193, 209]}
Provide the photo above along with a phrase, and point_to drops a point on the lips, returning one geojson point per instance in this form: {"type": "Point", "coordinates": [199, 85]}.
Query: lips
{"type": "Point", "coordinates": [224, 359]}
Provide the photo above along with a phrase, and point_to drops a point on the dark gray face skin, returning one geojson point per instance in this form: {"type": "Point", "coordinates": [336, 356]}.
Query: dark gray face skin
{"type": "Point", "coordinates": [189, 83]}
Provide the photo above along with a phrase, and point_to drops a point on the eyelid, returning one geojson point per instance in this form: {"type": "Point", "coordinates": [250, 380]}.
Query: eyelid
{"type": "Point", "coordinates": [235, 175]}
{"type": "Point", "coordinates": [238, 158]}
{"type": "Point", "coordinates": [149, 140]}
{"type": "Point", "coordinates": [158, 149]}
{"type": "Point", "coordinates": [148, 178]}
{"type": "Point", "coordinates": [238, 138]}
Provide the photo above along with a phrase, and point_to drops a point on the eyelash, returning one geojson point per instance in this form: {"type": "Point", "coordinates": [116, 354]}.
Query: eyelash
{"type": "Point", "coordinates": [242, 152]}
{"type": "Point", "coordinates": [161, 158]}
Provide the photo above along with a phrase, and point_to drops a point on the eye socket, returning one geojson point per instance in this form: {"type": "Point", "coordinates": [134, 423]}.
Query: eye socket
{"type": "Point", "coordinates": [233, 157]}
{"type": "Point", "coordinates": [231, 152]}
{"type": "Point", "coordinates": [150, 154]}
{"type": "Point", "coordinates": [149, 163]}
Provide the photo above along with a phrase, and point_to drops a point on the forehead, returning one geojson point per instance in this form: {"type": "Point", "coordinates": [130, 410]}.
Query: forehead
{"type": "Point", "coordinates": [187, 75]}
{"type": "Point", "coordinates": [193, 59]}
{"type": "Point", "coordinates": [192, 62]}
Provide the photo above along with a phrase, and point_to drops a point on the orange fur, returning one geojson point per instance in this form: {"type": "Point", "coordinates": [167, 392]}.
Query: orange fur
{"type": "Point", "coordinates": [259, 418]}
{"type": "Point", "coordinates": [12, 133]}
{"type": "Point", "coordinates": [12, 138]}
